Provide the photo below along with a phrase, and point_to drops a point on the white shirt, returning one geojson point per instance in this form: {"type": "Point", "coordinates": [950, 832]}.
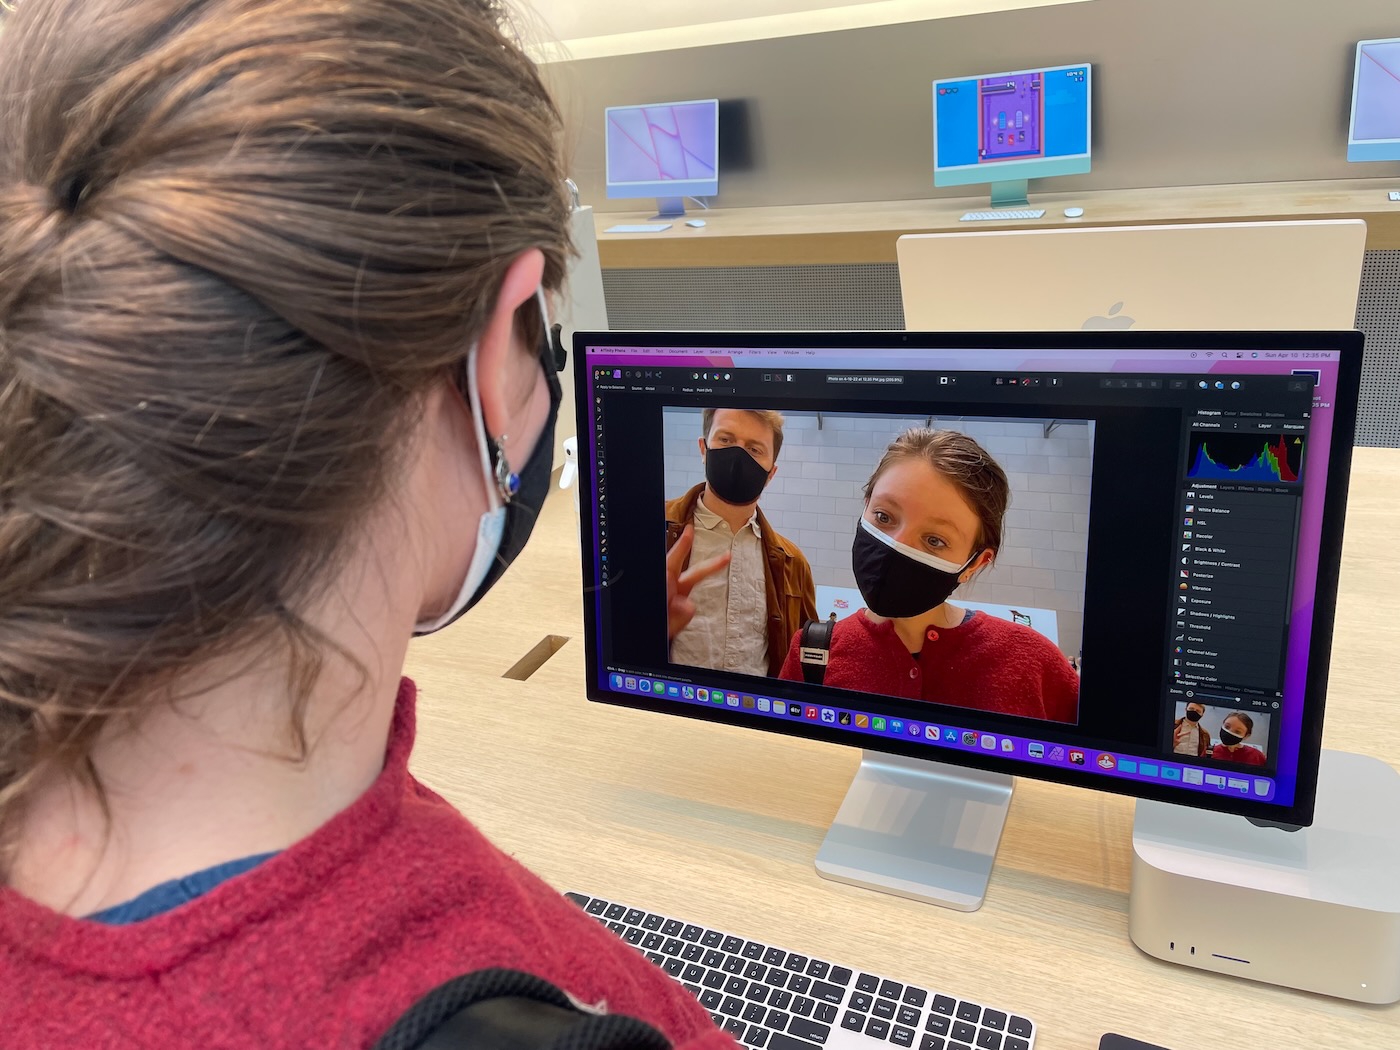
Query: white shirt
{"type": "Point", "coordinates": [730, 628]}
{"type": "Point", "coordinates": [1191, 739]}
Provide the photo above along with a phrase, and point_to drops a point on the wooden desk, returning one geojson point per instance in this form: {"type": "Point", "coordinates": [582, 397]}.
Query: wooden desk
{"type": "Point", "coordinates": [866, 232]}
{"type": "Point", "coordinates": [720, 825]}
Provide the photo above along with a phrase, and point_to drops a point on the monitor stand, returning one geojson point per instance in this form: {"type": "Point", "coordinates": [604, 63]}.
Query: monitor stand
{"type": "Point", "coordinates": [669, 208]}
{"type": "Point", "coordinates": [1013, 193]}
{"type": "Point", "coordinates": [918, 829]}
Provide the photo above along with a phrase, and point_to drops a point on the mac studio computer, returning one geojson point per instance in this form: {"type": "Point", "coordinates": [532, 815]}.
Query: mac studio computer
{"type": "Point", "coordinates": [1006, 128]}
{"type": "Point", "coordinates": [1229, 276]}
{"type": "Point", "coordinates": [669, 151]}
{"type": "Point", "coordinates": [1374, 132]}
{"type": "Point", "coordinates": [1175, 530]}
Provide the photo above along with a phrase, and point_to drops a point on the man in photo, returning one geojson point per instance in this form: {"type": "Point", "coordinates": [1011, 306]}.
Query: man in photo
{"type": "Point", "coordinates": [1189, 737]}
{"type": "Point", "coordinates": [737, 591]}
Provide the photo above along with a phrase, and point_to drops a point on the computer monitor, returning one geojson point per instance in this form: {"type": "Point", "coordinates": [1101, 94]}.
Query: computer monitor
{"type": "Point", "coordinates": [1201, 276]}
{"type": "Point", "coordinates": [1005, 128]}
{"type": "Point", "coordinates": [1374, 133]}
{"type": "Point", "coordinates": [1170, 550]}
{"type": "Point", "coordinates": [669, 151]}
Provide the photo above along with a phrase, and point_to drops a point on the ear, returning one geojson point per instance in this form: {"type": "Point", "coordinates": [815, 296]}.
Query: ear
{"type": "Point", "coordinates": [983, 561]}
{"type": "Point", "coordinates": [504, 384]}
{"type": "Point", "coordinates": [703, 447]}
{"type": "Point", "coordinates": [772, 474]}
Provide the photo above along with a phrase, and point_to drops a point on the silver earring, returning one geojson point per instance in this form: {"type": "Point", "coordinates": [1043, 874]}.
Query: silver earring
{"type": "Point", "coordinates": [507, 483]}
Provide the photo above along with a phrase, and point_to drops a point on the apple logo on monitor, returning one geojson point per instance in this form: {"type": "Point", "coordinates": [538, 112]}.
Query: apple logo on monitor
{"type": "Point", "coordinates": [1115, 319]}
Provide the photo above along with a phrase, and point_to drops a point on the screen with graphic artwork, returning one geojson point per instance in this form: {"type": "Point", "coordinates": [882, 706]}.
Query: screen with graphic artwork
{"type": "Point", "coordinates": [1106, 558]}
{"type": "Point", "coordinates": [1375, 102]}
{"type": "Point", "coordinates": [664, 150]}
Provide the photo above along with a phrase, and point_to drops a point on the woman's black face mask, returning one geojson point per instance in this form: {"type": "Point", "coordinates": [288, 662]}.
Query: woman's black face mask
{"type": "Point", "coordinates": [897, 581]}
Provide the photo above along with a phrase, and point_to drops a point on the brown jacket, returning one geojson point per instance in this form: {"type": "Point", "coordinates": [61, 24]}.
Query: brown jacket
{"type": "Point", "coordinates": [1202, 738]}
{"type": "Point", "coordinates": [787, 578]}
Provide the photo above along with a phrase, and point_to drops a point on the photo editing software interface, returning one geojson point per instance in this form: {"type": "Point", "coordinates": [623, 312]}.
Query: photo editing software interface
{"type": "Point", "coordinates": [1143, 624]}
{"type": "Point", "coordinates": [1035, 119]}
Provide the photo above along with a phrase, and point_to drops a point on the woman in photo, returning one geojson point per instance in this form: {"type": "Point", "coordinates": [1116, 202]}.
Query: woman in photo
{"type": "Point", "coordinates": [274, 397]}
{"type": "Point", "coordinates": [1234, 731]}
{"type": "Point", "coordinates": [933, 520]}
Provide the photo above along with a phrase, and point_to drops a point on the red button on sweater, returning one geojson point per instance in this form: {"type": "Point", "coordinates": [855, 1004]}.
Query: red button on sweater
{"type": "Point", "coordinates": [983, 663]}
{"type": "Point", "coordinates": [325, 944]}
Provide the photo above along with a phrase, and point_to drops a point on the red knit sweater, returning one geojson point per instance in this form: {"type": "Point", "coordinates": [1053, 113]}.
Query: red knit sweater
{"type": "Point", "coordinates": [983, 663]}
{"type": "Point", "coordinates": [325, 944]}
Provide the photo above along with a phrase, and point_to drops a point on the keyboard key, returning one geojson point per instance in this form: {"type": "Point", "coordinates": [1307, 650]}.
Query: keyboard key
{"type": "Point", "coordinates": [969, 1011]}
{"type": "Point", "coordinates": [601, 919]}
{"type": "Point", "coordinates": [615, 911]}
{"type": "Point", "coordinates": [710, 999]}
{"type": "Point", "coordinates": [908, 1016]}
{"type": "Point", "coordinates": [964, 1032]}
{"type": "Point", "coordinates": [1019, 1026]}
{"type": "Point", "coordinates": [656, 957]}
{"type": "Point", "coordinates": [884, 1009]}
{"type": "Point", "coordinates": [692, 952]}
{"type": "Point", "coordinates": [915, 997]}
{"type": "Point", "coordinates": [754, 971]}
{"type": "Point", "coordinates": [757, 993]}
{"type": "Point", "coordinates": [1012, 1043]}
{"type": "Point", "coordinates": [752, 950]}
{"type": "Point", "coordinates": [994, 1019]}
{"type": "Point", "coordinates": [653, 941]}
{"type": "Point", "coordinates": [827, 993]}
{"type": "Point", "coordinates": [776, 1020]}
{"type": "Point", "coordinates": [693, 989]}
{"type": "Point", "coordinates": [718, 1019]}
{"type": "Point", "coordinates": [714, 979]}
{"type": "Point", "coordinates": [862, 1001]}
{"type": "Point", "coordinates": [674, 967]}
{"type": "Point", "coordinates": [756, 1036]}
{"type": "Point", "coordinates": [933, 1042]}
{"type": "Point", "coordinates": [902, 1036]}
{"type": "Point", "coordinates": [732, 1006]}
{"type": "Point", "coordinates": [671, 928]}
{"type": "Point", "coordinates": [938, 1024]}
{"type": "Point", "coordinates": [691, 933]}
{"type": "Point", "coordinates": [852, 1021]}
{"type": "Point", "coordinates": [802, 1028]}
{"type": "Point", "coordinates": [825, 1013]}
{"type": "Point", "coordinates": [891, 989]}
{"type": "Point", "coordinates": [778, 1041]}
{"type": "Point", "coordinates": [943, 1004]}
{"type": "Point", "coordinates": [839, 975]}
{"type": "Point", "coordinates": [577, 898]}
{"type": "Point", "coordinates": [597, 907]}
{"type": "Point", "coordinates": [801, 984]}
{"type": "Point", "coordinates": [877, 1028]}
{"type": "Point", "coordinates": [634, 935]}
{"type": "Point", "coordinates": [776, 977]}
{"type": "Point", "coordinates": [652, 922]}
{"type": "Point", "coordinates": [959, 1046]}
{"type": "Point", "coordinates": [634, 917]}
{"type": "Point", "coordinates": [754, 1013]}
{"type": "Point", "coordinates": [989, 1039]}
{"type": "Point", "coordinates": [693, 972]}
{"type": "Point", "coordinates": [712, 939]}
{"type": "Point", "coordinates": [818, 969]}
{"type": "Point", "coordinates": [672, 947]}
{"type": "Point", "coordinates": [735, 1027]}
{"type": "Point", "coordinates": [795, 963]}
{"type": "Point", "coordinates": [774, 956]}
{"type": "Point", "coordinates": [617, 928]}
{"type": "Point", "coordinates": [802, 1006]}
{"type": "Point", "coordinates": [732, 945]}
{"type": "Point", "coordinates": [713, 959]}
{"type": "Point", "coordinates": [733, 964]}
{"type": "Point", "coordinates": [868, 982]}
{"type": "Point", "coordinates": [781, 1000]}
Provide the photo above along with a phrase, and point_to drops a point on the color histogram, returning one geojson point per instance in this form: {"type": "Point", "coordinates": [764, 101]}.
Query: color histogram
{"type": "Point", "coordinates": [1266, 458]}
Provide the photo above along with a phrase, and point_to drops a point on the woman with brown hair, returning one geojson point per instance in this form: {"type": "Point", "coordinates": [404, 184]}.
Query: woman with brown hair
{"type": "Point", "coordinates": [934, 509]}
{"type": "Point", "coordinates": [272, 399]}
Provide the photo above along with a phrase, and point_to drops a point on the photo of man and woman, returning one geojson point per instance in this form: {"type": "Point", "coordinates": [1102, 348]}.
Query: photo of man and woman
{"type": "Point", "coordinates": [1221, 733]}
{"type": "Point", "coordinates": [873, 524]}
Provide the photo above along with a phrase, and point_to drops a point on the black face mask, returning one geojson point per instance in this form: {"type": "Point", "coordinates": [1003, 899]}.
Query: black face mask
{"type": "Point", "coordinates": [897, 581]}
{"type": "Point", "coordinates": [1194, 716]}
{"type": "Point", "coordinates": [733, 475]}
{"type": "Point", "coordinates": [1228, 738]}
{"type": "Point", "coordinates": [521, 495]}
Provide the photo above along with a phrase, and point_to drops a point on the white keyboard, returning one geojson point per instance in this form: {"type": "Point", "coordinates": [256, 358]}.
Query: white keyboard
{"type": "Point", "coordinates": [769, 998]}
{"type": "Point", "coordinates": [1004, 213]}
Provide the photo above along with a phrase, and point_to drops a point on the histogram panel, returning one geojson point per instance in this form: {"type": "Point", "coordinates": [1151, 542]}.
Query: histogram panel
{"type": "Point", "coordinates": [1265, 458]}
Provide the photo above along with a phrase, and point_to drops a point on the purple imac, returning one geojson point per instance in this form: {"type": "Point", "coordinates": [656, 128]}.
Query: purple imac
{"type": "Point", "coordinates": [669, 151]}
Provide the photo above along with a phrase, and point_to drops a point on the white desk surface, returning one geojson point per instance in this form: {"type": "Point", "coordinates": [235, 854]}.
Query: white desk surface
{"type": "Point", "coordinates": [720, 825]}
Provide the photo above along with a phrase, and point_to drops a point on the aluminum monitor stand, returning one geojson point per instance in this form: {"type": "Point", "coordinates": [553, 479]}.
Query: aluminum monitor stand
{"type": "Point", "coordinates": [918, 829]}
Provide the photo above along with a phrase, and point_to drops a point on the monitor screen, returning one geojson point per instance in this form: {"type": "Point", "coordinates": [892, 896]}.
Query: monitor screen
{"type": "Point", "coordinates": [665, 150]}
{"type": "Point", "coordinates": [1027, 124]}
{"type": "Point", "coordinates": [1375, 102]}
{"type": "Point", "coordinates": [1106, 558]}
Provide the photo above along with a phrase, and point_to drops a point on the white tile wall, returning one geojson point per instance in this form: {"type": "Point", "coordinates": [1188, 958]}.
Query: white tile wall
{"type": "Point", "coordinates": [815, 499]}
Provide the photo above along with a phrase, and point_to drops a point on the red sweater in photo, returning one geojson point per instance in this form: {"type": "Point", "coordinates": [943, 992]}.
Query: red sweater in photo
{"type": "Point", "coordinates": [1245, 755]}
{"type": "Point", "coordinates": [325, 944]}
{"type": "Point", "coordinates": [984, 663]}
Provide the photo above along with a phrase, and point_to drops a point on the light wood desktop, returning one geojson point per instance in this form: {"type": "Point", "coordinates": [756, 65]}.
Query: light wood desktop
{"type": "Point", "coordinates": [865, 232]}
{"type": "Point", "coordinates": [720, 825]}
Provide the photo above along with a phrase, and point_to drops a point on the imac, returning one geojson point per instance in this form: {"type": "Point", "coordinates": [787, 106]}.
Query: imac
{"type": "Point", "coordinates": [1006, 128]}
{"type": "Point", "coordinates": [1153, 616]}
{"type": "Point", "coordinates": [669, 151]}
{"type": "Point", "coordinates": [1374, 131]}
